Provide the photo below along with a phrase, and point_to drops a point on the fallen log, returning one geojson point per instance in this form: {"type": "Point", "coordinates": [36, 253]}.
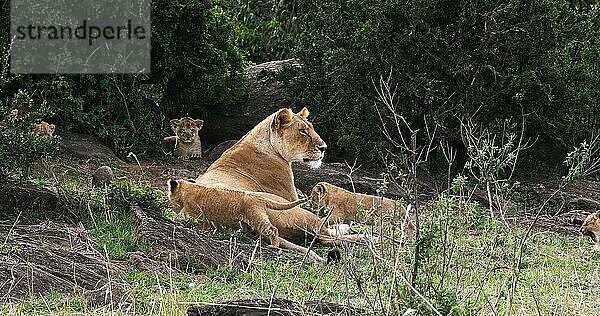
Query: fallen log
{"type": "Point", "coordinates": [36, 260]}
{"type": "Point", "coordinates": [274, 307]}
{"type": "Point", "coordinates": [174, 243]}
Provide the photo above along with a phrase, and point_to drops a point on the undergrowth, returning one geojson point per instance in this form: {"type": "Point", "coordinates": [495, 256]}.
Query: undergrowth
{"type": "Point", "coordinates": [109, 220]}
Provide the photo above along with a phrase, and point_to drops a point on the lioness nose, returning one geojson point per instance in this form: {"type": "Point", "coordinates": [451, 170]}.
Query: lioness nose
{"type": "Point", "coordinates": [322, 148]}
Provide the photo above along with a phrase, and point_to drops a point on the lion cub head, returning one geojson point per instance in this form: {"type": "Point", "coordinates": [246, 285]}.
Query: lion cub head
{"type": "Point", "coordinates": [187, 128]}
{"type": "Point", "coordinates": [318, 196]}
{"type": "Point", "coordinates": [591, 228]}
{"type": "Point", "coordinates": [175, 195]}
{"type": "Point", "coordinates": [186, 142]}
{"type": "Point", "coordinates": [43, 129]}
{"type": "Point", "coordinates": [294, 137]}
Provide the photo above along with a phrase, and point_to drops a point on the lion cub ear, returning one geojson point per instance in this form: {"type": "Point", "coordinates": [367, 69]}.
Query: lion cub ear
{"type": "Point", "coordinates": [174, 124]}
{"type": "Point", "coordinates": [199, 123]}
{"type": "Point", "coordinates": [52, 127]}
{"type": "Point", "coordinates": [304, 113]}
{"type": "Point", "coordinates": [172, 184]}
{"type": "Point", "coordinates": [282, 119]}
{"type": "Point", "coordinates": [319, 189]}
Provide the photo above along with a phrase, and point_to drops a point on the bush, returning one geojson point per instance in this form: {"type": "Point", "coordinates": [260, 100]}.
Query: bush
{"type": "Point", "coordinates": [196, 70]}
{"type": "Point", "coordinates": [263, 27]}
{"type": "Point", "coordinates": [450, 58]}
{"type": "Point", "coordinates": [194, 57]}
{"type": "Point", "coordinates": [18, 148]}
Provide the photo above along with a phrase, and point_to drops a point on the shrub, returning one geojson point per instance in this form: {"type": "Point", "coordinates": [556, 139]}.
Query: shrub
{"type": "Point", "coordinates": [263, 27]}
{"type": "Point", "coordinates": [196, 70]}
{"type": "Point", "coordinates": [18, 148]}
{"type": "Point", "coordinates": [194, 57]}
{"type": "Point", "coordinates": [495, 58]}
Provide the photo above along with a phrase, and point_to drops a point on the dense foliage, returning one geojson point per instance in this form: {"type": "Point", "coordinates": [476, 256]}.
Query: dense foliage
{"type": "Point", "coordinates": [18, 148]}
{"type": "Point", "coordinates": [194, 58]}
{"type": "Point", "coordinates": [263, 27]}
{"type": "Point", "coordinates": [196, 69]}
{"type": "Point", "coordinates": [449, 58]}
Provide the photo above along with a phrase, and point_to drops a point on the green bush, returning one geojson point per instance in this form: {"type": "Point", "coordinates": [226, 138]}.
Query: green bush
{"type": "Point", "coordinates": [196, 70]}
{"type": "Point", "coordinates": [498, 58]}
{"type": "Point", "coordinates": [18, 148]}
{"type": "Point", "coordinates": [263, 27]}
{"type": "Point", "coordinates": [194, 57]}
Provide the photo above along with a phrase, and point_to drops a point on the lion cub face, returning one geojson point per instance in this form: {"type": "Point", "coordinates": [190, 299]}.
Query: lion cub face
{"type": "Point", "coordinates": [591, 228]}
{"type": "Point", "coordinates": [187, 129]}
{"type": "Point", "coordinates": [296, 139]}
{"type": "Point", "coordinates": [43, 129]}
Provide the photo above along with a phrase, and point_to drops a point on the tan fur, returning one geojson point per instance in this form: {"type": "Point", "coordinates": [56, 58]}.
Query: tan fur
{"type": "Point", "coordinates": [261, 160]}
{"type": "Point", "coordinates": [186, 142]}
{"type": "Point", "coordinates": [345, 206]}
{"type": "Point", "coordinates": [273, 220]}
{"type": "Point", "coordinates": [14, 114]}
{"type": "Point", "coordinates": [44, 130]}
{"type": "Point", "coordinates": [227, 207]}
{"type": "Point", "coordinates": [591, 228]}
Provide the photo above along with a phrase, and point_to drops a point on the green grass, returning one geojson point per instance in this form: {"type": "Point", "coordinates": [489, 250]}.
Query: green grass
{"type": "Point", "coordinates": [559, 273]}
{"type": "Point", "coordinates": [467, 266]}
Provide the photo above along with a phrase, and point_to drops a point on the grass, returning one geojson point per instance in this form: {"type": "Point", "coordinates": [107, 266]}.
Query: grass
{"type": "Point", "coordinates": [560, 276]}
{"type": "Point", "coordinates": [467, 266]}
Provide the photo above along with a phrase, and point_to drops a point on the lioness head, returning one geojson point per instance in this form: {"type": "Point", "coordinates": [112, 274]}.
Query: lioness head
{"type": "Point", "coordinates": [295, 138]}
{"type": "Point", "coordinates": [186, 128]}
{"type": "Point", "coordinates": [591, 228]}
{"type": "Point", "coordinates": [318, 196]}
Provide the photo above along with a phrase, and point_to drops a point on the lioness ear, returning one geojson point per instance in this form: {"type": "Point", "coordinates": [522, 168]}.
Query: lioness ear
{"type": "Point", "coordinates": [172, 185]}
{"type": "Point", "coordinates": [52, 128]}
{"type": "Point", "coordinates": [199, 123]}
{"type": "Point", "coordinates": [304, 113]}
{"type": "Point", "coordinates": [282, 119]}
{"type": "Point", "coordinates": [174, 124]}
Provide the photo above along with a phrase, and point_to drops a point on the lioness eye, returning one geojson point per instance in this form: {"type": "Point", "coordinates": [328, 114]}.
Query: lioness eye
{"type": "Point", "coordinates": [303, 132]}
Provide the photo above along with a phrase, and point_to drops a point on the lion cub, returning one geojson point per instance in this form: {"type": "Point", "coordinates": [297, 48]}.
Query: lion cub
{"type": "Point", "coordinates": [344, 204]}
{"type": "Point", "coordinates": [43, 129]}
{"type": "Point", "coordinates": [591, 228]}
{"type": "Point", "coordinates": [186, 142]}
{"type": "Point", "coordinates": [227, 207]}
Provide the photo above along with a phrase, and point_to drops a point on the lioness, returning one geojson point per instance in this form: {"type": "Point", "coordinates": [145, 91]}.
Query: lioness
{"type": "Point", "coordinates": [591, 228]}
{"type": "Point", "coordinates": [261, 160]}
{"type": "Point", "coordinates": [186, 142]}
{"type": "Point", "coordinates": [43, 129]}
{"type": "Point", "coordinates": [345, 205]}
{"type": "Point", "coordinates": [227, 207]}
